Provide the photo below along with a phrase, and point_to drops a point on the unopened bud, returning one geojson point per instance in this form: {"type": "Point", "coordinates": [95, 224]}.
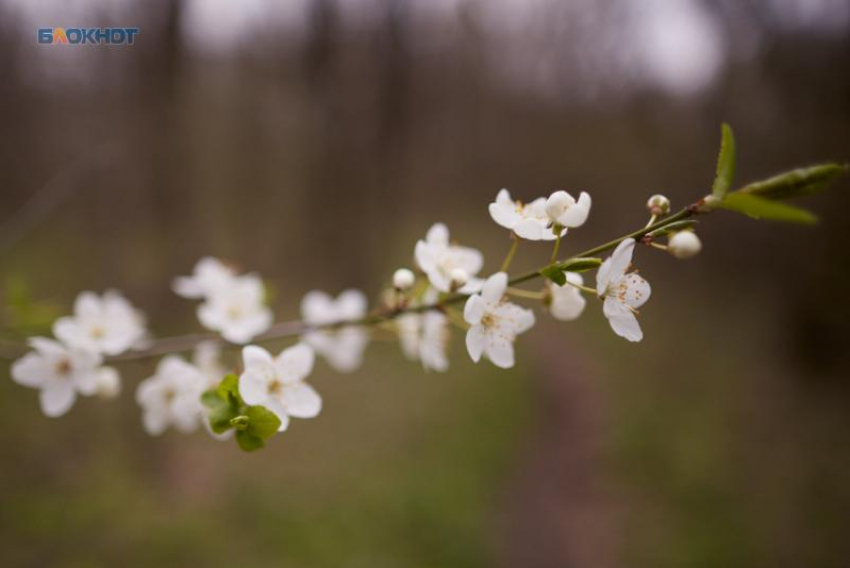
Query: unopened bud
{"type": "Point", "coordinates": [403, 278]}
{"type": "Point", "coordinates": [658, 205]}
{"type": "Point", "coordinates": [684, 244]}
{"type": "Point", "coordinates": [459, 277]}
{"type": "Point", "coordinates": [107, 382]}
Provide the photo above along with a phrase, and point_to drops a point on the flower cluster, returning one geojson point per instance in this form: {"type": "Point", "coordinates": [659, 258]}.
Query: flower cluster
{"type": "Point", "coordinates": [233, 305]}
{"type": "Point", "coordinates": [72, 364]}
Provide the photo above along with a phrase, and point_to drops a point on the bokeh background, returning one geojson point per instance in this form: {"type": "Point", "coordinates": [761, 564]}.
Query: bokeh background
{"type": "Point", "coordinates": [315, 141]}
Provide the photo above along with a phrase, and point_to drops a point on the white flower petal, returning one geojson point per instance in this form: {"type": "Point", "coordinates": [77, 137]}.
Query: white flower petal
{"type": "Point", "coordinates": [56, 397]}
{"type": "Point", "coordinates": [505, 216]}
{"type": "Point", "coordinates": [621, 259]}
{"type": "Point", "coordinates": [438, 234]}
{"type": "Point", "coordinates": [33, 370]}
{"type": "Point", "coordinates": [500, 350]}
{"type": "Point", "coordinates": [256, 358]}
{"type": "Point", "coordinates": [473, 311]}
{"type": "Point", "coordinates": [475, 342]}
{"type": "Point", "coordinates": [494, 288]}
{"type": "Point", "coordinates": [155, 421]}
{"type": "Point", "coordinates": [622, 320]}
{"type": "Point", "coordinates": [637, 290]}
{"type": "Point", "coordinates": [300, 400]}
{"type": "Point", "coordinates": [530, 229]}
{"type": "Point", "coordinates": [253, 387]}
{"type": "Point", "coordinates": [295, 363]}
{"type": "Point", "coordinates": [316, 308]}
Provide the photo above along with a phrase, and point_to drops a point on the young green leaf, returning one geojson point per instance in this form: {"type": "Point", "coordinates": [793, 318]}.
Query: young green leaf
{"type": "Point", "coordinates": [555, 273]}
{"type": "Point", "coordinates": [580, 264]}
{"type": "Point", "coordinates": [262, 422]}
{"type": "Point", "coordinates": [797, 183]}
{"type": "Point", "coordinates": [759, 208]}
{"type": "Point", "coordinates": [229, 388]}
{"type": "Point", "coordinates": [725, 164]}
{"type": "Point", "coordinates": [248, 442]}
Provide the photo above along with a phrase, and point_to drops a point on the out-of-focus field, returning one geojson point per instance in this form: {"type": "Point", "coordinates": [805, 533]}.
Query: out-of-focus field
{"type": "Point", "coordinates": [720, 440]}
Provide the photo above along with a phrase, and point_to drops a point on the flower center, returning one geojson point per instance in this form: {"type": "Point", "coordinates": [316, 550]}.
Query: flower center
{"type": "Point", "coordinates": [234, 313]}
{"type": "Point", "coordinates": [275, 387]}
{"type": "Point", "coordinates": [63, 368]}
{"type": "Point", "coordinates": [489, 320]}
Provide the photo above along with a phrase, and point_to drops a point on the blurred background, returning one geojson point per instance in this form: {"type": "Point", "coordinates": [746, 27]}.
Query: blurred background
{"type": "Point", "coordinates": [315, 141]}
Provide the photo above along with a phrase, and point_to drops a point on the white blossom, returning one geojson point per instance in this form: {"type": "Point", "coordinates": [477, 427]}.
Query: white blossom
{"type": "Point", "coordinates": [209, 276]}
{"type": "Point", "coordinates": [342, 347]}
{"type": "Point", "coordinates": [564, 210]}
{"type": "Point", "coordinates": [438, 258]}
{"type": "Point", "coordinates": [495, 322]}
{"type": "Point", "coordinates": [684, 244]}
{"type": "Point", "coordinates": [59, 372]}
{"type": "Point", "coordinates": [425, 336]}
{"type": "Point", "coordinates": [237, 310]}
{"type": "Point", "coordinates": [277, 383]}
{"type": "Point", "coordinates": [172, 397]}
{"type": "Point", "coordinates": [528, 221]}
{"type": "Point", "coordinates": [567, 301]}
{"type": "Point", "coordinates": [623, 292]}
{"type": "Point", "coordinates": [106, 324]}
{"type": "Point", "coordinates": [107, 382]}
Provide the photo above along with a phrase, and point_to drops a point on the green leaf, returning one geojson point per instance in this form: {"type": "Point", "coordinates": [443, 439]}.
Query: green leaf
{"type": "Point", "coordinates": [759, 208]}
{"type": "Point", "coordinates": [672, 228]}
{"type": "Point", "coordinates": [248, 442]}
{"type": "Point", "coordinates": [229, 387]}
{"type": "Point", "coordinates": [262, 422]}
{"type": "Point", "coordinates": [555, 273]}
{"type": "Point", "coordinates": [580, 264]}
{"type": "Point", "coordinates": [725, 163]}
{"type": "Point", "coordinates": [797, 183]}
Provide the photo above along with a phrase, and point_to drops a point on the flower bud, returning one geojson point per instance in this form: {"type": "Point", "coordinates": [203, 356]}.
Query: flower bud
{"type": "Point", "coordinates": [403, 278]}
{"type": "Point", "coordinates": [107, 382]}
{"type": "Point", "coordinates": [658, 205]}
{"type": "Point", "coordinates": [557, 204]}
{"type": "Point", "coordinates": [459, 277]}
{"type": "Point", "coordinates": [684, 244]}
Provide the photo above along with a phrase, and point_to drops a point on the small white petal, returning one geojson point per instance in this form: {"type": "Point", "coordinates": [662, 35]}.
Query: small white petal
{"type": "Point", "coordinates": [622, 320]}
{"type": "Point", "coordinates": [494, 288]}
{"type": "Point", "coordinates": [256, 358]}
{"type": "Point", "coordinates": [295, 363]}
{"type": "Point", "coordinates": [530, 229]}
{"type": "Point", "coordinates": [57, 397]}
{"type": "Point", "coordinates": [500, 350]}
{"type": "Point", "coordinates": [33, 370]}
{"type": "Point", "coordinates": [637, 290]}
{"type": "Point", "coordinates": [473, 311]}
{"type": "Point", "coordinates": [475, 341]}
{"type": "Point", "coordinates": [300, 400]}
{"type": "Point", "coordinates": [253, 387]}
{"type": "Point", "coordinates": [438, 234]}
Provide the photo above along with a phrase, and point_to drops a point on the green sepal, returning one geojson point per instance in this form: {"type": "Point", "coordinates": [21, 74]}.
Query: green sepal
{"type": "Point", "coordinates": [759, 208]}
{"type": "Point", "coordinates": [581, 264]}
{"type": "Point", "coordinates": [674, 227]}
{"type": "Point", "coordinates": [229, 388]}
{"type": "Point", "coordinates": [796, 183]}
{"type": "Point", "coordinates": [725, 163]}
{"type": "Point", "coordinates": [248, 442]}
{"type": "Point", "coordinates": [555, 273]}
